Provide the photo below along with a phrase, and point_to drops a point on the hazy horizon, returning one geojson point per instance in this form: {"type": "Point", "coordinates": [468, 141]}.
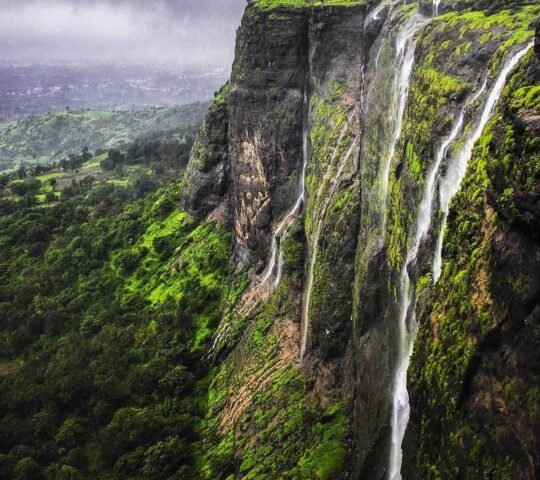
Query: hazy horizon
{"type": "Point", "coordinates": [173, 33]}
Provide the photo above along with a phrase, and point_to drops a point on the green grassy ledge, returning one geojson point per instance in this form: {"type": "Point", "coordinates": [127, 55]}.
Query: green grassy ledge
{"type": "Point", "coordinates": [272, 4]}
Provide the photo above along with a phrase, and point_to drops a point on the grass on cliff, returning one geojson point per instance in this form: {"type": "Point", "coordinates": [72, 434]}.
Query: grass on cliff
{"type": "Point", "coordinates": [272, 4]}
{"type": "Point", "coordinates": [465, 310]}
{"type": "Point", "coordinates": [262, 420]}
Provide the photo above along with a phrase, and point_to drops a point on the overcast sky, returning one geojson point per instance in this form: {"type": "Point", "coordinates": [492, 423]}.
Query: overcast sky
{"type": "Point", "coordinates": [172, 32]}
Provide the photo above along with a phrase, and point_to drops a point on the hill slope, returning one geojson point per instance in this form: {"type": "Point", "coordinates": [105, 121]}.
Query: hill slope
{"type": "Point", "coordinates": [48, 138]}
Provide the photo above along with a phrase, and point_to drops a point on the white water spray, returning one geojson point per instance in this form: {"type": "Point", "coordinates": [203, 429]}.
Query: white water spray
{"type": "Point", "coordinates": [457, 167]}
{"type": "Point", "coordinates": [276, 256]}
{"type": "Point", "coordinates": [407, 332]}
{"type": "Point", "coordinates": [374, 14]}
{"type": "Point", "coordinates": [436, 5]}
{"type": "Point", "coordinates": [405, 49]}
{"type": "Point", "coordinates": [316, 237]}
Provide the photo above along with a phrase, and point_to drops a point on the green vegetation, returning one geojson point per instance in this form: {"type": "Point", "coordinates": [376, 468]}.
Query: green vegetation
{"type": "Point", "coordinates": [108, 302]}
{"type": "Point", "coordinates": [45, 139]}
{"type": "Point", "coordinates": [272, 4]}
{"type": "Point", "coordinates": [436, 90]}
{"type": "Point", "coordinates": [262, 421]}
{"type": "Point", "coordinates": [110, 294]}
{"type": "Point", "coordinates": [467, 309]}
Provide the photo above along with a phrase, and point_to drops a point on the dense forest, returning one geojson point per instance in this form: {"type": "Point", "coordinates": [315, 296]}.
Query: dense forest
{"type": "Point", "coordinates": [333, 275]}
{"type": "Point", "coordinates": [108, 296]}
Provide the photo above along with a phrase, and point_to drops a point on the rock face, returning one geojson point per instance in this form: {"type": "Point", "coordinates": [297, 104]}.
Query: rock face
{"type": "Point", "coordinates": [306, 362]}
{"type": "Point", "coordinates": [207, 175]}
{"type": "Point", "coordinates": [478, 403]}
{"type": "Point", "coordinates": [268, 81]}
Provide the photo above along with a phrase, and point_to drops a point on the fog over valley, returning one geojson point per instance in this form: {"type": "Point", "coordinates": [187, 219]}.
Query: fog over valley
{"type": "Point", "coordinates": [171, 32]}
{"type": "Point", "coordinates": [112, 55]}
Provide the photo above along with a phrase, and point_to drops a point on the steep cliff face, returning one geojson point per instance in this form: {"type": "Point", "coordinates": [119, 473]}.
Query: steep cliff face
{"type": "Point", "coordinates": [330, 155]}
{"type": "Point", "coordinates": [268, 82]}
{"type": "Point", "coordinates": [475, 369]}
{"type": "Point", "coordinates": [204, 184]}
{"type": "Point", "coordinates": [294, 102]}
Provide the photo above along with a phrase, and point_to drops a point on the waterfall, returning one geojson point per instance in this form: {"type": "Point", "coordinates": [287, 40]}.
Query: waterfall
{"type": "Point", "coordinates": [457, 166]}
{"type": "Point", "coordinates": [407, 332]}
{"type": "Point", "coordinates": [374, 14]}
{"type": "Point", "coordinates": [405, 48]}
{"type": "Point", "coordinates": [400, 400]}
{"type": "Point", "coordinates": [276, 255]}
{"type": "Point", "coordinates": [436, 5]}
{"type": "Point", "coordinates": [334, 185]}
{"type": "Point", "coordinates": [262, 287]}
{"type": "Point", "coordinates": [316, 237]}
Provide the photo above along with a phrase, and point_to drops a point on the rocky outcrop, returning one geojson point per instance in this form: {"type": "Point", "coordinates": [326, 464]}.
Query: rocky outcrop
{"type": "Point", "coordinates": [268, 81]}
{"type": "Point", "coordinates": [205, 182]}
{"type": "Point", "coordinates": [335, 72]}
{"type": "Point", "coordinates": [475, 408]}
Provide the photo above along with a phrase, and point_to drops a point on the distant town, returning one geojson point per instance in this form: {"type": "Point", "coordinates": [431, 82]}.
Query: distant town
{"type": "Point", "coordinates": [36, 89]}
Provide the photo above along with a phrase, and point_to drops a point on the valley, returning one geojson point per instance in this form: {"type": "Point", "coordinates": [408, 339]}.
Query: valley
{"type": "Point", "coordinates": [329, 271]}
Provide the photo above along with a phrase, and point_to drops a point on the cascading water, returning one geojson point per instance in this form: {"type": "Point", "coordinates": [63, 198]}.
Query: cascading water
{"type": "Point", "coordinates": [374, 14]}
{"type": "Point", "coordinates": [261, 289]}
{"type": "Point", "coordinates": [457, 166]}
{"type": "Point", "coordinates": [276, 256]}
{"type": "Point", "coordinates": [316, 237]}
{"type": "Point", "coordinates": [436, 5]}
{"type": "Point", "coordinates": [407, 332]}
{"type": "Point", "coordinates": [335, 182]}
{"type": "Point", "coordinates": [387, 86]}
{"type": "Point", "coordinates": [405, 48]}
{"type": "Point", "coordinates": [400, 398]}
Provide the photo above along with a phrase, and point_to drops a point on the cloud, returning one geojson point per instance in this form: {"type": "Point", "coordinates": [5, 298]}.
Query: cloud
{"type": "Point", "coordinates": [173, 32]}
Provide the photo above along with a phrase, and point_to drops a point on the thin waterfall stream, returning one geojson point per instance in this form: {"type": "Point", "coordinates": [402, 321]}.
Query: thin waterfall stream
{"type": "Point", "coordinates": [407, 330]}
{"type": "Point", "coordinates": [276, 255]}
{"type": "Point", "coordinates": [333, 189]}
{"type": "Point", "coordinates": [400, 399]}
{"type": "Point", "coordinates": [272, 274]}
{"type": "Point", "coordinates": [405, 45]}
{"type": "Point", "coordinates": [457, 167]}
{"type": "Point", "coordinates": [405, 49]}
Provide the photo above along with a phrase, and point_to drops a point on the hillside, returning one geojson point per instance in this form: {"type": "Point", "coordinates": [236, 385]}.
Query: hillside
{"type": "Point", "coordinates": [346, 136]}
{"type": "Point", "coordinates": [44, 139]}
{"type": "Point", "coordinates": [342, 281]}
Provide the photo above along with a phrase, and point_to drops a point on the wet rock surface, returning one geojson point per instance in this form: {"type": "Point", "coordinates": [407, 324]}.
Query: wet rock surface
{"type": "Point", "coordinates": [248, 160]}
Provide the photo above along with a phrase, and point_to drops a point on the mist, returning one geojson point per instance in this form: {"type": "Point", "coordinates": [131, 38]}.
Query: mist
{"type": "Point", "coordinates": [173, 33]}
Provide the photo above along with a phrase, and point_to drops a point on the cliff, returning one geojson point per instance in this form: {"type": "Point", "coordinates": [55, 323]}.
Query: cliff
{"type": "Point", "coordinates": [338, 157]}
{"type": "Point", "coordinates": [474, 375]}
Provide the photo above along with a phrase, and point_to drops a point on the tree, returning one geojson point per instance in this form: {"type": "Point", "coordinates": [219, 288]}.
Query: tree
{"type": "Point", "coordinates": [28, 187]}
{"type": "Point", "coordinates": [113, 160]}
{"type": "Point", "coordinates": [86, 155]}
{"type": "Point", "coordinates": [26, 469]}
{"type": "Point", "coordinates": [70, 434]}
{"type": "Point", "coordinates": [163, 460]}
{"type": "Point", "coordinates": [22, 172]}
